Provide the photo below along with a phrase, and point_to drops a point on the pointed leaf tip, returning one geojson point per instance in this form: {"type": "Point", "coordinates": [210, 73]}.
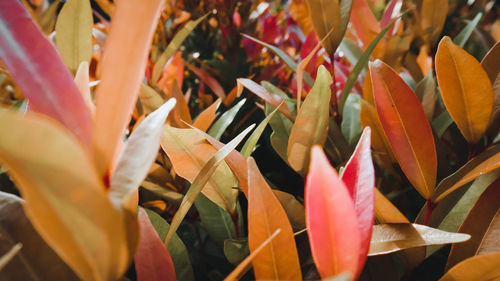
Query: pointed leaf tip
{"type": "Point", "coordinates": [330, 218]}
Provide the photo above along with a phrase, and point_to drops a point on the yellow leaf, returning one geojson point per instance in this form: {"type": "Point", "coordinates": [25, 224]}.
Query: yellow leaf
{"type": "Point", "coordinates": [466, 90]}
{"type": "Point", "coordinates": [65, 199]}
{"type": "Point", "coordinates": [189, 152]}
{"type": "Point", "coordinates": [74, 33]}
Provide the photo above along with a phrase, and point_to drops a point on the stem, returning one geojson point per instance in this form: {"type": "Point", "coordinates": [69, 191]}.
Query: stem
{"type": "Point", "coordinates": [472, 151]}
{"type": "Point", "coordinates": [428, 212]}
{"type": "Point", "coordinates": [334, 94]}
{"type": "Point", "coordinates": [234, 218]}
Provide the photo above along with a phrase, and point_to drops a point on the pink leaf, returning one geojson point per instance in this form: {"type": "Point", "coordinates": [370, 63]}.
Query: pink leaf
{"type": "Point", "coordinates": [152, 260]}
{"type": "Point", "coordinates": [359, 178]}
{"type": "Point", "coordinates": [39, 72]}
{"type": "Point", "coordinates": [330, 218]}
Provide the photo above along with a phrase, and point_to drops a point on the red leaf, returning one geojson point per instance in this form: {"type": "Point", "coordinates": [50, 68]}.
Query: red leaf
{"type": "Point", "coordinates": [152, 260]}
{"type": "Point", "coordinates": [406, 127]}
{"type": "Point", "coordinates": [39, 72]}
{"type": "Point", "coordinates": [359, 178]}
{"type": "Point", "coordinates": [330, 218]}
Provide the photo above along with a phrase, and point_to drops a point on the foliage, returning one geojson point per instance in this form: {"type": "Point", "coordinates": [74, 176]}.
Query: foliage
{"type": "Point", "coordinates": [269, 140]}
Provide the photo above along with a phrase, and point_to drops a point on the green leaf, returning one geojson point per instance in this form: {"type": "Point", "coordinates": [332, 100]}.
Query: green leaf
{"type": "Point", "coordinates": [360, 65]}
{"type": "Point", "coordinates": [176, 42]}
{"type": "Point", "coordinates": [217, 221]}
{"type": "Point", "coordinates": [177, 249]}
{"type": "Point", "coordinates": [236, 250]}
{"type": "Point", "coordinates": [441, 123]}
{"type": "Point", "coordinates": [351, 124]}
{"type": "Point", "coordinates": [249, 145]}
{"type": "Point", "coordinates": [311, 124]}
{"type": "Point", "coordinates": [220, 126]}
{"type": "Point", "coordinates": [74, 33]}
{"type": "Point", "coordinates": [464, 35]}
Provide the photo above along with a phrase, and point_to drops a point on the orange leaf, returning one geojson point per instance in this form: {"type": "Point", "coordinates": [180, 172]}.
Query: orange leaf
{"type": "Point", "coordinates": [207, 116]}
{"type": "Point", "coordinates": [466, 90]}
{"type": "Point", "coordinates": [364, 22]}
{"type": "Point", "coordinates": [406, 127]}
{"type": "Point", "coordinates": [122, 70]}
{"type": "Point", "coordinates": [331, 220]}
{"type": "Point", "coordinates": [280, 260]}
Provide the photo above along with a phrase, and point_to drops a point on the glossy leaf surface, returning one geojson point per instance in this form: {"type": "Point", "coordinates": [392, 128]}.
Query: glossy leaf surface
{"type": "Point", "coordinates": [359, 178]}
{"type": "Point", "coordinates": [389, 238]}
{"type": "Point", "coordinates": [331, 219]}
{"type": "Point", "coordinates": [280, 260]}
{"type": "Point", "coordinates": [311, 124]}
{"type": "Point", "coordinates": [406, 127]}
{"type": "Point", "coordinates": [465, 88]}
{"type": "Point", "coordinates": [483, 224]}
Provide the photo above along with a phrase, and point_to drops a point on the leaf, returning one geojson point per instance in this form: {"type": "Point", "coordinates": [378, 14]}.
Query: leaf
{"type": "Point", "coordinates": [406, 127]}
{"type": "Point", "coordinates": [351, 123]}
{"type": "Point", "coordinates": [130, 37]}
{"type": "Point", "coordinates": [39, 72]}
{"type": "Point", "coordinates": [359, 178]}
{"type": "Point", "coordinates": [152, 260]}
{"type": "Point", "coordinates": [207, 116]}
{"type": "Point", "coordinates": [432, 15]}
{"type": "Point", "coordinates": [172, 47]}
{"type": "Point", "coordinates": [251, 142]}
{"type": "Point", "coordinates": [483, 224]}
{"type": "Point", "coordinates": [380, 143]}
{"type": "Point", "coordinates": [492, 68]}
{"type": "Point", "coordinates": [176, 248]}
{"type": "Point", "coordinates": [281, 127]}
{"type": "Point", "coordinates": [311, 124]}
{"type": "Point", "coordinates": [219, 222]}
{"type": "Point", "coordinates": [208, 80]}
{"type": "Point", "coordinates": [65, 199]}
{"type": "Point", "coordinates": [441, 123]}
{"type": "Point", "coordinates": [189, 153]}
{"type": "Point", "coordinates": [82, 82]}
{"type": "Point", "coordinates": [220, 126]}
{"type": "Point", "coordinates": [35, 260]}
{"type": "Point", "coordinates": [331, 219]}
{"type": "Point", "coordinates": [200, 181]}
{"type": "Point", "coordinates": [464, 35]}
{"type": "Point", "coordinates": [360, 65]}
{"type": "Point", "coordinates": [7, 257]}
{"type": "Point", "coordinates": [272, 99]}
{"type": "Point", "coordinates": [280, 260]}
{"type": "Point", "coordinates": [465, 88]}
{"type": "Point", "coordinates": [479, 268]}
{"type": "Point", "coordinates": [426, 93]}
{"type": "Point", "coordinates": [393, 237]}
{"type": "Point", "coordinates": [236, 250]}
{"type": "Point", "coordinates": [74, 33]}
{"type": "Point", "coordinates": [300, 14]}
{"type": "Point", "coordinates": [293, 209]}
{"type": "Point", "coordinates": [287, 59]}
{"type": "Point", "coordinates": [330, 15]}
{"type": "Point", "coordinates": [181, 114]}
{"type": "Point", "coordinates": [150, 99]}
{"type": "Point", "coordinates": [385, 211]}
{"type": "Point", "coordinates": [364, 22]}
{"type": "Point", "coordinates": [485, 162]}
{"type": "Point", "coordinates": [139, 154]}
{"type": "Point", "coordinates": [245, 265]}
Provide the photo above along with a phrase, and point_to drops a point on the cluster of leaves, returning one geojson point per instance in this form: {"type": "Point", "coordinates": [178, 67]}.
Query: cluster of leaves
{"type": "Point", "coordinates": [116, 114]}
